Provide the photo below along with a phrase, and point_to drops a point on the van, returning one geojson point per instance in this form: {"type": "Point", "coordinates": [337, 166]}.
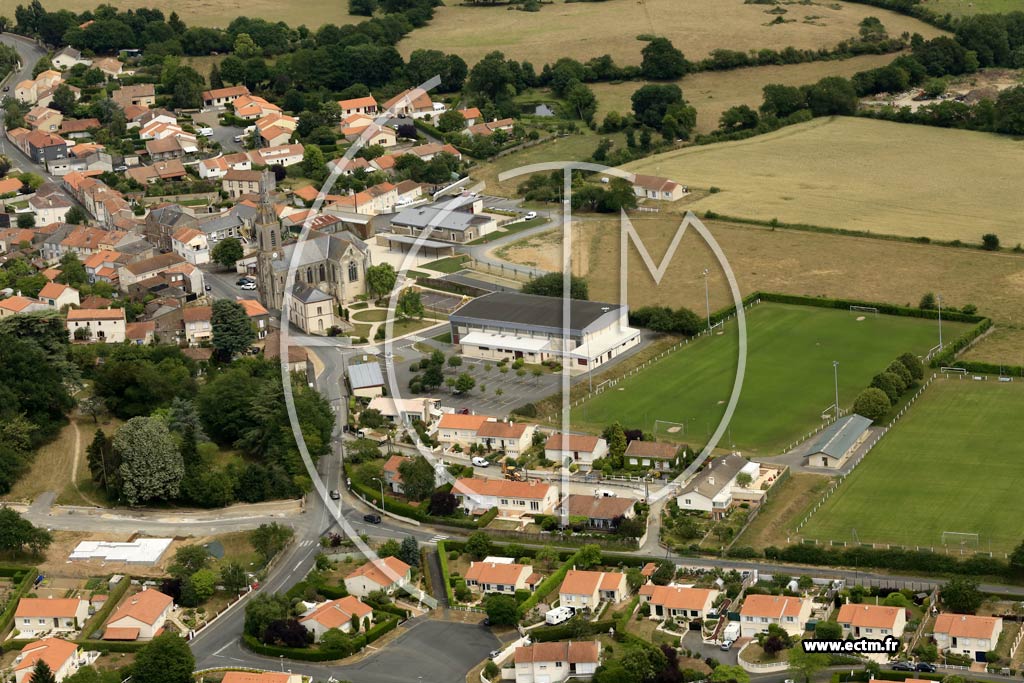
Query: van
{"type": "Point", "coordinates": [558, 615]}
{"type": "Point", "coordinates": [480, 462]}
{"type": "Point", "coordinates": [530, 216]}
{"type": "Point", "coordinates": [206, 132]}
{"type": "Point", "coordinates": [604, 493]}
{"type": "Point", "coordinates": [372, 518]}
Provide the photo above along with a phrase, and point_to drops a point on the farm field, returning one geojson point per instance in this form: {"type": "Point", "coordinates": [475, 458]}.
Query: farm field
{"type": "Point", "coordinates": [788, 381]}
{"type": "Point", "coordinates": [861, 174]}
{"type": "Point", "coordinates": [763, 259]}
{"type": "Point", "coordinates": [712, 92]}
{"type": "Point", "coordinates": [968, 7]}
{"type": "Point", "coordinates": [219, 13]}
{"type": "Point", "coordinates": [585, 30]}
{"type": "Point", "coordinates": [933, 455]}
{"type": "Point", "coordinates": [1004, 344]}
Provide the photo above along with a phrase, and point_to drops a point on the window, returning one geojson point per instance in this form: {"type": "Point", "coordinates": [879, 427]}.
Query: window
{"type": "Point", "coordinates": [558, 665]}
{"type": "Point", "coordinates": [323, 272]}
{"type": "Point", "coordinates": [353, 271]}
{"type": "Point", "coordinates": [534, 505]}
{"type": "Point", "coordinates": [504, 501]}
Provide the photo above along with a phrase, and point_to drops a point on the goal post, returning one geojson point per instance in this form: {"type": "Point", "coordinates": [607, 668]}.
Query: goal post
{"type": "Point", "coordinates": [964, 540]}
{"type": "Point", "coordinates": [948, 370]}
{"type": "Point", "coordinates": [669, 428]}
{"type": "Point", "coordinates": [864, 309]}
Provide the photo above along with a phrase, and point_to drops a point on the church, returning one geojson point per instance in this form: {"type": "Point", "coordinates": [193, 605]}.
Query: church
{"type": "Point", "coordinates": [330, 269]}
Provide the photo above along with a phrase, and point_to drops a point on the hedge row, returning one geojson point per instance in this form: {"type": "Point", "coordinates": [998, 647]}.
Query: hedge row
{"type": "Point", "coordinates": [545, 587]}
{"type": "Point", "coordinates": [907, 560]}
{"type": "Point", "coordinates": [887, 309]}
{"type": "Point", "coordinates": [101, 615]}
{"type": "Point", "coordinates": [313, 655]}
{"type": "Point", "coordinates": [7, 617]}
{"type": "Point", "coordinates": [948, 353]}
{"type": "Point", "coordinates": [990, 368]}
{"type": "Point", "coordinates": [573, 628]}
{"type": "Point", "coordinates": [109, 646]}
{"type": "Point", "coordinates": [442, 555]}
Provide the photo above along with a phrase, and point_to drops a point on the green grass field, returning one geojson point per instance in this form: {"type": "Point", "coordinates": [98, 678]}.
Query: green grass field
{"type": "Point", "coordinates": [788, 381]}
{"type": "Point", "coordinates": [953, 463]}
{"type": "Point", "coordinates": [968, 7]}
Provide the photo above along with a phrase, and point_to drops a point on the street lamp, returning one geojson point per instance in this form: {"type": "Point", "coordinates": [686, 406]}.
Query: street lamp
{"type": "Point", "coordinates": [938, 300]}
{"type": "Point", "coordinates": [381, 482]}
{"type": "Point", "coordinates": [707, 297]}
{"type": "Point", "coordinates": [282, 662]}
{"type": "Point", "coordinates": [835, 372]}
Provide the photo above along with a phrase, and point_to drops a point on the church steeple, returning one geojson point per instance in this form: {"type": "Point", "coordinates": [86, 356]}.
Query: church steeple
{"type": "Point", "coordinates": [268, 228]}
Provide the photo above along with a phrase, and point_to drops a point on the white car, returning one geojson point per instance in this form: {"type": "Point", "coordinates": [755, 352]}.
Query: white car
{"type": "Point", "coordinates": [249, 286]}
{"type": "Point", "coordinates": [206, 132]}
{"type": "Point", "coordinates": [238, 138]}
{"type": "Point", "coordinates": [480, 462]}
{"type": "Point", "coordinates": [530, 216]}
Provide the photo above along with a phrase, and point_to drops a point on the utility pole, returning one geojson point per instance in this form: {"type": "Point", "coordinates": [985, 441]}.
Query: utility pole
{"type": "Point", "coordinates": [835, 372]}
{"type": "Point", "coordinates": [707, 298]}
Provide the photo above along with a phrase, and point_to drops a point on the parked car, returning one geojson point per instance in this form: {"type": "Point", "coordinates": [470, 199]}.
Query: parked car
{"type": "Point", "coordinates": [480, 462]}
{"type": "Point", "coordinates": [530, 216]}
{"type": "Point", "coordinates": [238, 138]}
{"type": "Point", "coordinates": [925, 667]}
{"type": "Point", "coordinates": [335, 495]}
{"type": "Point", "coordinates": [372, 518]}
{"type": "Point", "coordinates": [243, 280]}
{"type": "Point", "coordinates": [249, 286]}
{"type": "Point", "coordinates": [206, 132]}
{"type": "Point", "coordinates": [902, 666]}
{"type": "Point", "coordinates": [726, 646]}
{"type": "Point", "coordinates": [207, 287]}
{"type": "Point", "coordinates": [494, 654]}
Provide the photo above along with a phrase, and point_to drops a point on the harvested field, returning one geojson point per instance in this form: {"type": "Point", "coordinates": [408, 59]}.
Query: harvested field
{"type": "Point", "coordinates": [795, 262]}
{"type": "Point", "coordinates": [860, 174]}
{"type": "Point", "coordinates": [584, 30]}
{"type": "Point", "coordinates": [712, 92]}
{"type": "Point", "coordinates": [784, 510]}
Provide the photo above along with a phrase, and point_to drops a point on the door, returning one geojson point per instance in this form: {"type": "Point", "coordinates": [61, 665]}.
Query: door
{"type": "Point", "coordinates": [519, 354]}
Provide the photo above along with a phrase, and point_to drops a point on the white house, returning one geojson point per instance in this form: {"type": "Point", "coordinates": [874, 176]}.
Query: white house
{"type": "Point", "coordinates": [281, 155]}
{"type": "Point", "coordinates": [456, 428]}
{"type": "Point", "coordinates": [711, 489]}
{"type": "Point", "coordinates": [656, 187]}
{"type": "Point", "coordinates": [56, 295]}
{"type": "Point", "coordinates": [198, 324]}
{"type": "Point", "coordinates": [140, 616]}
{"type": "Point", "coordinates": [336, 614]}
{"type": "Point", "coordinates": [587, 589]}
{"type": "Point", "coordinates": [678, 602]}
{"type": "Point", "coordinates": [512, 498]}
{"type": "Point", "coordinates": [759, 611]}
{"type": "Point", "coordinates": [385, 574]}
{"type": "Point", "coordinates": [651, 454]}
{"type": "Point", "coordinates": [501, 577]}
{"type": "Point", "coordinates": [967, 634]}
{"type": "Point", "coordinates": [102, 325]}
{"type": "Point", "coordinates": [872, 621]}
{"type": "Point", "coordinates": [191, 245]}
{"type": "Point", "coordinates": [578, 449]}
{"type": "Point", "coordinates": [35, 617]}
{"type": "Point", "coordinates": [62, 657]}
{"type": "Point", "coordinates": [555, 662]}
{"type": "Point", "coordinates": [511, 438]}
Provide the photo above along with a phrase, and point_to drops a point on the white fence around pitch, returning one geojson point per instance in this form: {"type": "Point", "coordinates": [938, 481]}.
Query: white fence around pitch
{"type": "Point", "coordinates": [878, 437]}
{"type": "Point", "coordinates": [612, 383]}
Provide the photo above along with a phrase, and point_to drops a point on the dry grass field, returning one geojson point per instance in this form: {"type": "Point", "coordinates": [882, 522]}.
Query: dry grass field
{"type": "Point", "coordinates": [861, 174]}
{"type": "Point", "coordinates": [796, 262]}
{"type": "Point", "coordinates": [583, 30]}
{"type": "Point", "coordinates": [1004, 344]}
{"type": "Point", "coordinates": [314, 13]}
{"type": "Point", "coordinates": [712, 92]}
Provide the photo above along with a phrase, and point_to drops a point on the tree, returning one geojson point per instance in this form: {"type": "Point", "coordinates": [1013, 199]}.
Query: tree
{"type": "Point", "coordinates": [890, 384]}
{"type": "Point", "coordinates": [410, 552]}
{"type": "Point", "coordinates": [362, 8]}
{"type": "Point", "coordinates": [581, 101]}
{"type": "Point", "coordinates": [652, 102]}
{"type": "Point", "coordinates": [913, 364]}
{"type": "Point", "coordinates": [464, 383]}
{"type": "Point", "coordinates": [872, 403]}
{"type": "Point", "coordinates": [227, 252]}
{"type": "Point", "coordinates": [479, 545]}
{"type": "Point", "coordinates": [833, 95]}
{"type": "Point", "coordinates": [151, 465]}
{"type": "Point", "coordinates": [270, 539]}
{"type": "Point", "coordinates": [588, 556]}
{"type": "Point", "coordinates": [828, 630]}
{"type": "Point", "coordinates": [41, 673]}
{"type": "Point", "coordinates": [443, 504]}
{"type": "Point", "coordinates": [738, 118]}
{"type": "Point", "coordinates": [26, 220]}
{"type": "Point", "coordinates": [245, 47]}
{"type": "Point", "coordinates": [167, 659]}
{"type": "Point", "coordinates": [233, 577]}
{"type": "Point", "coordinates": [990, 242]}
{"type": "Point", "coordinates": [263, 609]}
{"type": "Point", "coordinates": [314, 164]}
{"type": "Point", "coordinates": [409, 305]}
{"type": "Point", "coordinates": [550, 284]}
{"type": "Point", "coordinates": [928, 302]}
{"type": "Point", "coordinates": [103, 466]}
{"type": "Point", "coordinates": [63, 99]}
{"type": "Point", "coordinates": [417, 477]}
{"type": "Point", "coordinates": [664, 574]}
{"type": "Point", "coordinates": [216, 82]}
{"type": "Point", "coordinates": [501, 609]}
{"type": "Point", "coordinates": [381, 279]}
{"type": "Point", "coordinates": [728, 673]}
{"type": "Point", "coordinates": [19, 535]}
{"type": "Point", "coordinates": [662, 61]}
{"type": "Point", "coordinates": [233, 332]}
{"type": "Point", "coordinates": [199, 587]}
{"type": "Point", "coordinates": [188, 559]}
{"type": "Point", "coordinates": [961, 595]}
{"type": "Point", "coordinates": [389, 548]}
{"type": "Point", "coordinates": [807, 663]}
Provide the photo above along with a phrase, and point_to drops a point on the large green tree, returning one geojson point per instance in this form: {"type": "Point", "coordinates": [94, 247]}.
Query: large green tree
{"type": "Point", "coordinates": [417, 478]}
{"type": "Point", "coordinates": [166, 659]}
{"type": "Point", "coordinates": [381, 279]}
{"type": "Point", "coordinates": [550, 284]}
{"type": "Point", "coordinates": [227, 252]}
{"type": "Point", "coordinates": [663, 61]}
{"type": "Point", "coordinates": [42, 673]}
{"type": "Point", "coordinates": [18, 535]}
{"type": "Point", "coordinates": [233, 332]}
{"type": "Point", "coordinates": [151, 465]}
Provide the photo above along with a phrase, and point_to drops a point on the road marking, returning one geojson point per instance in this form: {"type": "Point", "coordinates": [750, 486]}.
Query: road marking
{"type": "Point", "coordinates": [218, 652]}
{"type": "Point", "coordinates": [297, 565]}
{"type": "Point", "coordinates": [436, 538]}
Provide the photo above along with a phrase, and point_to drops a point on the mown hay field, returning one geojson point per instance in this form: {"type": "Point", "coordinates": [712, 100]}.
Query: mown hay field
{"type": "Point", "coordinates": [712, 92]}
{"type": "Point", "coordinates": [861, 174]}
{"type": "Point", "coordinates": [583, 30]}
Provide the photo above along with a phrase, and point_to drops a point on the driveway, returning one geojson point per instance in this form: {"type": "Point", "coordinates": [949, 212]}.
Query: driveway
{"type": "Point", "coordinates": [225, 135]}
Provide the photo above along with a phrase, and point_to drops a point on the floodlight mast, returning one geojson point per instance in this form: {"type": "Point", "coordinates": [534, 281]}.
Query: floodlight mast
{"type": "Point", "coordinates": [835, 372]}
{"type": "Point", "coordinates": [707, 297]}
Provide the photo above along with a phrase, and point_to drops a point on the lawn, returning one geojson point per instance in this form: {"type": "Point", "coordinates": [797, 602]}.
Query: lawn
{"type": "Point", "coordinates": [951, 464]}
{"type": "Point", "coordinates": [861, 174]}
{"type": "Point", "coordinates": [452, 264]}
{"type": "Point", "coordinates": [313, 13]}
{"type": "Point", "coordinates": [712, 92]}
{"type": "Point", "coordinates": [789, 379]}
{"type": "Point", "coordinates": [585, 30]}
{"type": "Point", "coordinates": [968, 7]}
{"type": "Point", "coordinates": [784, 510]}
{"type": "Point", "coordinates": [375, 316]}
{"type": "Point", "coordinates": [510, 229]}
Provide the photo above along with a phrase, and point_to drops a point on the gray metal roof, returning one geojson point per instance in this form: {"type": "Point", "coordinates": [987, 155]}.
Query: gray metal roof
{"type": "Point", "coordinates": [309, 295]}
{"type": "Point", "coordinates": [219, 223]}
{"type": "Point", "coordinates": [365, 375]}
{"type": "Point", "coordinates": [710, 482]}
{"type": "Point", "coordinates": [542, 313]}
{"type": "Point", "coordinates": [435, 217]}
{"type": "Point", "coordinates": [409, 239]}
{"type": "Point", "coordinates": [839, 436]}
{"type": "Point", "coordinates": [319, 247]}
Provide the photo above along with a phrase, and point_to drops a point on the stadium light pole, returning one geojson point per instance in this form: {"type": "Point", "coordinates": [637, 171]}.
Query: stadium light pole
{"type": "Point", "coordinates": [938, 299]}
{"type": "Point", "coordinates": [835, 373]}
{"type": "Point", "coordinates": [707, 298]}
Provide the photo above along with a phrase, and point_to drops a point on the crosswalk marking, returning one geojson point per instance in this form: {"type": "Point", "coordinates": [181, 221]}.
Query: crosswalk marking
{"type": "Point", "coordinates": [437, 537]}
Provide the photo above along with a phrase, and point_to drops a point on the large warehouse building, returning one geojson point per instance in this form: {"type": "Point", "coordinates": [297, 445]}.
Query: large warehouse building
{"type": "Point", "coordinates": [513, 325]}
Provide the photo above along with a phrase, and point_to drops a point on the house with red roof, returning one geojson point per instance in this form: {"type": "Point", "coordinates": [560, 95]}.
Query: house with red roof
{"type": "Point", "coordinates": [457, 429]}
{"type": "Point", "coordinates": [787, 612]}
{"type": "Point", "coordinates": [872, 621]}
{"type": "Point", "coordinates": [107, 325]}
{"type": "Point", "coordinates": [501, 577]}
{"type": "Point", "coordinates": [20, 304]}
{"type": "Point", "coordinates": [260, 677]}
{"type": "Point", "coordinates": [512, 498]}
{"type": "Point", "coordinates": [584, 589]}
{"type": "Point", "coordinates": [35, 617]}
{"type": "Point", "coordinates": [556, 662]}
{"type": "Point", "coordinates": [967, 634]}
{"type": "Point", "coordinates": [337, 614]}
{"type": "Point", "coordinates": [358, 105]}
{"type": "Point", "coordinates": [140, 616]}
{"type": "Point", "coordinates": [511, 438]}
{"type": "Point", "coordinates": [382, 574]}
{"type": "Point", "coordinates": [579, 449]}
{"type": "Point", "coordinates": [62, 657]}
{"type": "Point", "coordinates": [56, 295]}
{"type": "Point", "coordinates": [678, 602]}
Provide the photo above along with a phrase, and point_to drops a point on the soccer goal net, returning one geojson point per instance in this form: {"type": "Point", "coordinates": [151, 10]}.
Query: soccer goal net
{"type": "Point", "coordinates": [864, 309]}
{"type": "Point", "coordinates": [669, 429]}
{"type": "Point", "coordinates": [964, 540]}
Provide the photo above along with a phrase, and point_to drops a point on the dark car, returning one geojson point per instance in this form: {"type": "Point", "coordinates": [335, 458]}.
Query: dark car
{"type": "Point", "coordinates": [335, 495]}
{"type": "Point", "coordinates": [902, 666]}
{"type": "Point", "coordinates": [372, 518]}
{"type": "Point", "coordinates": [207, 287]}
{"type": "Point", "coordinates": [925, 667]}
{"type": "Point", "coordinates": [243, 280]}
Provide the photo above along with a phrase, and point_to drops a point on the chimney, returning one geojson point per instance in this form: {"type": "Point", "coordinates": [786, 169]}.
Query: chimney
{"type": "Point", "coordinates": [711, 480]}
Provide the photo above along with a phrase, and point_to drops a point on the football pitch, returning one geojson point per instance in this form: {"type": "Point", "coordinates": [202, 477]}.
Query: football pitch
{"type": "Point", "coordinates": [952, 463]}
{"type": "Point", "coordinates": [788, 382]}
